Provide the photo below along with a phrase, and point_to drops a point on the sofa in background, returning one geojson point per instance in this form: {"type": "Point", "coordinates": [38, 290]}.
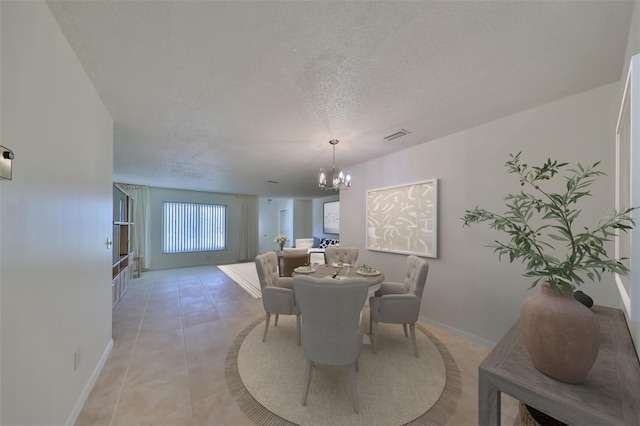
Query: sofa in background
{"type": "Point", "coordinates": [315, 247]}
{"type": "Point", "coordinates": [303, 243]}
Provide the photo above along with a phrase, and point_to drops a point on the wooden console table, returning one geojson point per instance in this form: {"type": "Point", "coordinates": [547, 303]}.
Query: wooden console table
{"type": "Point", "coordinates": [610, 394]}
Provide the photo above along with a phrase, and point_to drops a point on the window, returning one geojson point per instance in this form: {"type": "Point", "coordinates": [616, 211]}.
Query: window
{"type": "Point", "coordinates": [189, 227]}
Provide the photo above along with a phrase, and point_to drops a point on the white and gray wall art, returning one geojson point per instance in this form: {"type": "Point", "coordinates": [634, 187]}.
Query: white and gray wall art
{"type": "Point", "coordinates": [403, 219]}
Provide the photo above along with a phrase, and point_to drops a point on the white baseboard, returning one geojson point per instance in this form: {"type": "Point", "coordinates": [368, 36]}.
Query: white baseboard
{"type": "Point", "coordinates": [92, 381]}
{"type": "Point", "coordinates": [463, 334]}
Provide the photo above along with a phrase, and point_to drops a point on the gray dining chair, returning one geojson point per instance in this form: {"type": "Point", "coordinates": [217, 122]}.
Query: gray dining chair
{"type": "Point", "coordinates": [341, 254]}
{"type": "Point", "coordinates": [277, 292]}
{"type": "Point", "coordinates": [331, 332]}
{"type": "Point", "coordinates": [399, 303]}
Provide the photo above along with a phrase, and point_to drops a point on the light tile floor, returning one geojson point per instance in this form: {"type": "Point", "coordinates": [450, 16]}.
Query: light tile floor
{"type": "Point", "coordinates": [171, 333]}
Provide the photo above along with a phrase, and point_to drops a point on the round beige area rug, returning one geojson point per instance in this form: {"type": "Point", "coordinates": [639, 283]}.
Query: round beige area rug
{"type": "Point", "coordinates": [394, 387]}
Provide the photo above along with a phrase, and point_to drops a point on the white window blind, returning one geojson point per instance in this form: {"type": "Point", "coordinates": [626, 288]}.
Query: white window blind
{"type": "Point", "coordinates": [189, 227]}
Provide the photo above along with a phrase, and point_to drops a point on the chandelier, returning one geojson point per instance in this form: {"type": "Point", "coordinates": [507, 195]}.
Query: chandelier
{"type": "Point", "coordinates": [340, 179]}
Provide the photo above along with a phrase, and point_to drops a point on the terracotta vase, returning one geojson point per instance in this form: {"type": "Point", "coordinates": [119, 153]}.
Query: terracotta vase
{"type": "Point", "coordinates": [561, 335]}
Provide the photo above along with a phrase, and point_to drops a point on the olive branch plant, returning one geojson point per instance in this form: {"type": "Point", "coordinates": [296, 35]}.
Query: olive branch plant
{"type": "Point", "coordinates": [536, 217]}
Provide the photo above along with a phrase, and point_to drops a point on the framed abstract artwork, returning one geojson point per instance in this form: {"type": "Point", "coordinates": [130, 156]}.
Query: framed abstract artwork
{"type": "Point", "coordinates": [404, 219]}
{"type": "Point", "coordinates": [331, 217]}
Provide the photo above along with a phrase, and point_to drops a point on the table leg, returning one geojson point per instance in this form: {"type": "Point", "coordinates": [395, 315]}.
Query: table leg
{"type": "Point", "coordinates": [488, 402]}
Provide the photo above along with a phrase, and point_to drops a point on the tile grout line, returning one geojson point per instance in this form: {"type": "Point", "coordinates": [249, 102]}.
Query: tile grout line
{"type": "Point", "coordinates": [186, 356]}
{"type": "Point", "coordinates": [193, 411]}
{"type": "Point", "coordinates": [126, 371]}
{"type": "Point", "coordinates": [184, 343]}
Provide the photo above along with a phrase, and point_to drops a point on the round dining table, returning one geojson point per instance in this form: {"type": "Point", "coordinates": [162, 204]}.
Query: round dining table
{"type": "Point", "coordinates": [373, 278]}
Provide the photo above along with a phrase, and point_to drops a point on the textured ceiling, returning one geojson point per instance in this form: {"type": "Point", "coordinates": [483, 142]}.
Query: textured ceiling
{"type": "Point", "coordinates": [223, 96]}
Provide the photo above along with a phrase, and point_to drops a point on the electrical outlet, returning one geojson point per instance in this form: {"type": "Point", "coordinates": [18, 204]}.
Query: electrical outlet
{"type": "Point", "coordinates": [76, 359]}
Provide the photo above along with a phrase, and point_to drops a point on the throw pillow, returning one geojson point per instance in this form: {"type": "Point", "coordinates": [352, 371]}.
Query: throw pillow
{"type": "Point", "coordinates": [326, 242]}
{"type": "Point", "coordinates": [316, 242]}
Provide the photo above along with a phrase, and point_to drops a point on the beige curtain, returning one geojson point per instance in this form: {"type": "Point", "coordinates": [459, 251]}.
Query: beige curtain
{"type": "Point", "coordinates": [141, 213]}
{"type": "Point", "coordinates": [248, 228]}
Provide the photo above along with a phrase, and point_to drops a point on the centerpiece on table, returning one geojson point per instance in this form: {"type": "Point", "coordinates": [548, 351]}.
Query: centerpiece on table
{"type": "Point", "coordinates": [560, 333]}
{"type": "Point", "coordinates": [281, 239]}
{"type": "Point", "coordinates": [367, 268]}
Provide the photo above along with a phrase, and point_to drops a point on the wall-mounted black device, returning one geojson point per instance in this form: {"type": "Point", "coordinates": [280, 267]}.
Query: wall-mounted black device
{"type": "Point", "coordinates": [5, 163]}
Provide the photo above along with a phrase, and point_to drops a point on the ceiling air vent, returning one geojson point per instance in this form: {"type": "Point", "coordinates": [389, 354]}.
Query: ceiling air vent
{"type": "Point", "coordinates": [400, 133]}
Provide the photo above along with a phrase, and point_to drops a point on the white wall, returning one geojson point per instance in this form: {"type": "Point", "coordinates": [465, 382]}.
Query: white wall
{"type": "Point", "coordinates": [302, 219]}
{"type": "Point", "coordinates": [269, 222]}
{"type": "Point", "coordinates": [55, 219]}
{"type": "Point", "coordinates": [633, 42]}
{"type": "Point", "coordinates": [0, 226]}
{"type": "Point", "coordinates": [468, 290]}
{"type": "Point", "coordinates": [285, 227]}
{"type": "Point", "coordinates": [318, 214]}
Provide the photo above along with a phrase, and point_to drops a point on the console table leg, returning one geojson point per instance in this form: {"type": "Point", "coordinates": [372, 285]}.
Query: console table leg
{"type": "Point", "coordinates": [488, 403]}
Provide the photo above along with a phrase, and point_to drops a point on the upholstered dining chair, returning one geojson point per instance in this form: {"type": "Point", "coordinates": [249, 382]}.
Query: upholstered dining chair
{"type": "Point", "coordinates": [277, 292]}
{"type": "Point", "coordinates": [292, 258]}
{"type": "Point", "coordinates": [399, 303]}
{"type": "Point", "coordinates": [331, 332]}
{"type": "Point", "coordinates": [341, 254]}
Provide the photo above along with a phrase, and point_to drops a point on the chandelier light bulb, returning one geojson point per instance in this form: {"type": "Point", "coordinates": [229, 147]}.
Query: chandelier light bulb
{"type": "Point", "coordinates": [347, 179]}
{"type": "Point", "coordinates": [322, 178]}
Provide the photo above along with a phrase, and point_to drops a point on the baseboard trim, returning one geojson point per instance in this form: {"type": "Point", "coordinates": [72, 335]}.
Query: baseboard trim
{"type": "Point", "coordinates": [463, 334]}
{"type": "Point", "coordinates": [89, 386]}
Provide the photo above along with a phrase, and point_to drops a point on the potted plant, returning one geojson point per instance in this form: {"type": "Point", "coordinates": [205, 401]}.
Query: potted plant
{"type": "Point", "coordinates": [561, 335]}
